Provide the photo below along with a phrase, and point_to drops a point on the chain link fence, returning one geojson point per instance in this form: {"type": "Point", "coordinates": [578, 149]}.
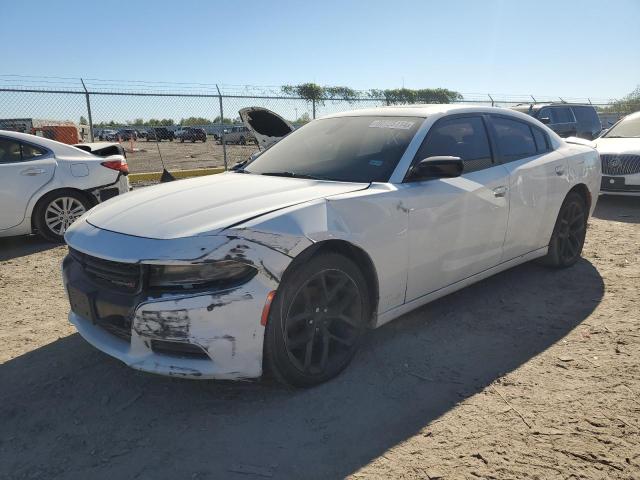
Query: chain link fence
{"type": "Point", "coordinates": [110, 110]}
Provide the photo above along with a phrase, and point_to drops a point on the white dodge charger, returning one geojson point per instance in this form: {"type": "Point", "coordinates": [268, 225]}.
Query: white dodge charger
{"type": "Point", "coordinates": [343, 225]}
{"type": "Point", "coordinates": [46, 185]}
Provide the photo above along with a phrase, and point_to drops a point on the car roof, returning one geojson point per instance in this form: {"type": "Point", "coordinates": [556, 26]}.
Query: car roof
{"type": "Point", "coordinates": [427, 110]}
{"type": "Point", "coordinates": [58, 148]}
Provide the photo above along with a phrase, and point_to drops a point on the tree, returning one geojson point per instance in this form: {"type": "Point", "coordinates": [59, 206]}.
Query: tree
{"type": "Point", "coordinates": [627, 104]}
{"type": "Point", "coordinates": [316, 93]}
{"type": "Point", "coordinates": [224, 120]}
{"type": "Point", "coordinates": [409, 96]}
{"type": "Point", "coordinates": [192, 121]}
{"type": "Point", "coordinates": [304, 118]}
{"type": "Point", "coordinates": [83, 121]}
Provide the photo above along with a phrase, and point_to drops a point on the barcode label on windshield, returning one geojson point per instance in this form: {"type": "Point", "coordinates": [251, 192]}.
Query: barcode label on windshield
{"type": "Point", "coordinates": [399, 124]}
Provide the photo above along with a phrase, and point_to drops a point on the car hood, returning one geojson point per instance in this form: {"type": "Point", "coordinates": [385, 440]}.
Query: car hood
{"type": "Point", "coordinates": [206, 205]}
{"type": "Point", "coordinates": [617, 145]}
{"type": "Point", "coordinates": [268, 127]}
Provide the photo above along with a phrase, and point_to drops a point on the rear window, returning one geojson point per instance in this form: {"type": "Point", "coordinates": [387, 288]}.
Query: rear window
{"type": "Point", "coordinates": [587, 117]}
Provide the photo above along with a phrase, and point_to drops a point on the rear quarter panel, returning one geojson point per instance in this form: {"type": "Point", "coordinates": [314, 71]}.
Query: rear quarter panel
{"type": "Point", "coordinates": [584, 167]}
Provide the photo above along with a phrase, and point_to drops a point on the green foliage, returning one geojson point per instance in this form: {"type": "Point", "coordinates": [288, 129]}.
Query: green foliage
{"type": "Point", "coordinates": [302, 119]}
{"type": "Point", "coordinates": [628, 104]}
{"type": "Point", "coordinates": [224, 120]}
{"type": "Point", "coordinates": [194, 121]}
{"type": "Point", "coordinates": [314, 92]}
{"type": "Point", "coordinates": [424, 95]}
{"type": "Point", "coordinates": [165, 122]}
{"type": "Point", "coordinates": [83, 121]}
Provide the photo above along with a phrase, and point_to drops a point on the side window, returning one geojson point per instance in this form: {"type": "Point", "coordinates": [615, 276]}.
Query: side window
{"type": "Point", "coordinates": [547, 113]}
{"type": "Point", "coordinates": [29, 152]}
{"type": "Point", "coordinates": [463, 137]}
{"type": "Point", "coordinates": [542, 142]}
{"type": "Point", "coordinates": [9, 151]}
{"type": "Point", "coordinates": [515, 139]}
{"type": "Point", "coordinates": [563, 115]}
{"type": "Point", "coordinates": [12, 151]}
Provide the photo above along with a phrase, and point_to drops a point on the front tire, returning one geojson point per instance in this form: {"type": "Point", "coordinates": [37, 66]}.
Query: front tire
{"type": "Point", "coordinates": [318, 319]}
{"type": "Point", "coordinates": [57, 211]}
{"type": "Point", "coordinates": [569, 232]}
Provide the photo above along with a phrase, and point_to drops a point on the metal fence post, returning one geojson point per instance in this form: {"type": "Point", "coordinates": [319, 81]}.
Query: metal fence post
{"type": "Point", "coordinates": [224, 142]}
{"type": "Point", "coordinates": [86, 95]}
{"type": "Point", "coordinates": [313, 104]}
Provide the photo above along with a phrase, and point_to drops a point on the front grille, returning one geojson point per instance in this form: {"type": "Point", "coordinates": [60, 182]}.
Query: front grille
{"type": "Point", "coordinates": [178, 349]}
{"type": "Point", "coordinates": [117, 275]}
{"type": "Point", "coordinates": [625, 164]}
{"type": "Point", "coordinates": [117, 326]}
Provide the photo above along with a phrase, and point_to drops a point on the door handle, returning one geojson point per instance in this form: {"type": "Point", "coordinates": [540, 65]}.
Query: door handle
{"type": "Point", "coordinates": [32, 172]}
{"type": "Point", "coordinates": [560, 171]}
{"type": "Point", "coordinates": [500, 191]}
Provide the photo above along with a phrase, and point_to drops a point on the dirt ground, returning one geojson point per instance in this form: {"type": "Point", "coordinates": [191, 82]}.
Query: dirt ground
{"type": "Point", "coordinates": [533, 373]}
{"type": "Point", "coordinates": [144, 156]}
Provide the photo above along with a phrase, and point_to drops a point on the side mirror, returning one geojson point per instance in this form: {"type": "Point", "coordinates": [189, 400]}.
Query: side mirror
{"type": "Point", "coordinates": [545, 120]}
{"type": "Point", "coordinates": [437, 167]}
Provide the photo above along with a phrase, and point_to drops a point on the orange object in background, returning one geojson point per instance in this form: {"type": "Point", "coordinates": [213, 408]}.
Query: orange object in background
{"type": "Point", "coordinates": [61, 133]}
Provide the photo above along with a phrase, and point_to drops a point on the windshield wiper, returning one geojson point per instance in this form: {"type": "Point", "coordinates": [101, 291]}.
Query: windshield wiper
{"type": "Point", "coordinates": [295, 175]}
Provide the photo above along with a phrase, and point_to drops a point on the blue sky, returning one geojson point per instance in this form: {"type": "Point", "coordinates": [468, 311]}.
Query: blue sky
{"type": "Point", "coordinates": [573, 49]}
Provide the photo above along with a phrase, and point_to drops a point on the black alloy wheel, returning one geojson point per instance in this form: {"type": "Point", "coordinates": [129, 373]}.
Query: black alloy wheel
{"type": "Point", "coordinates": [319, 318]}
{"type": "Point", "coordinates": [569, 233]}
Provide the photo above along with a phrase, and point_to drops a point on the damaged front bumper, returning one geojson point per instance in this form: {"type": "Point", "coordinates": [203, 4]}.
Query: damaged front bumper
{"type": "Point", "coordinates": [203, 335]}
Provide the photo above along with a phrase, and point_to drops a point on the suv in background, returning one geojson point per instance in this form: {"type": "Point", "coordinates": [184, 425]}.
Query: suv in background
{"type": "Point", "coordinates": [126, 134]}
{"type": "Point", "coordinates": [192, 134]}
{"type": "Point", "coordinates": [238, 134]}
{"type": "Point", "coordinates": [159, 134]}
{"type": "Point", "coordinates": [567, 120]}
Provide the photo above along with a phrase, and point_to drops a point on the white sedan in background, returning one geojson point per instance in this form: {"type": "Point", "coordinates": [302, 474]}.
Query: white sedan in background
{"type": "Point", "coordinates": [46, 185]}
{"type": "Point", "coordinates": [343, 225]}
{"type": "Point", "coordinates": [619, 150]}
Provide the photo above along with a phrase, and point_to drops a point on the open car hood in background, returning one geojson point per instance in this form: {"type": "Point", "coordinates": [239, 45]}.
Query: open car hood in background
{"type": "Point", "coordinates": [268, 127]}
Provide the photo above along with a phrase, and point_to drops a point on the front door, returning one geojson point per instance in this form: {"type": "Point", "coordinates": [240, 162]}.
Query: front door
{"type": "Point", "coordinates": [457, 226]}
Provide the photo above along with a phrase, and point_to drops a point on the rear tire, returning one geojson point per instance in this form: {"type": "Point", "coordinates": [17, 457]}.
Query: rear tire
{"type": "Point", "coordinates": [56, 211]}
{"type": "Point", "coordinates": [317, 321]}
{"type": "Point", "coordinates": [569, 232]}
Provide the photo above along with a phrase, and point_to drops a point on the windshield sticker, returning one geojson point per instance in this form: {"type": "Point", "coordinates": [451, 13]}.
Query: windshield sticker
{"type": "Point", "coordinates": [399, 124]}
{"type": "Point", "coordinates": [375, 163]}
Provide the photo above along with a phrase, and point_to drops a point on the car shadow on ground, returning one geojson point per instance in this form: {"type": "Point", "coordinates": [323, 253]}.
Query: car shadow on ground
{"type": "Point", "coordinates": [69, 411]}
{"type": "Point", "coordinates": [15, 247]}
{"type": "Point", "coordinates": [618, 208]}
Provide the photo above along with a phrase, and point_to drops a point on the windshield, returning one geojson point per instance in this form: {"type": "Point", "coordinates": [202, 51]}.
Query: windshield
{"type": "Point", "coordinates": [627, 128]}
{"type": "Point", "coordinates": [347, 149]}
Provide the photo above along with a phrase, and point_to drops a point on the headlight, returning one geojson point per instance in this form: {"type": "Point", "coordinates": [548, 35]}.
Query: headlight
{"type": "Point", "coordinates": [221, 273]}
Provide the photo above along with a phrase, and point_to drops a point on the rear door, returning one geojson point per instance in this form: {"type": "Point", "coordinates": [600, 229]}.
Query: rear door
{"type": "Point", "coordinates": [456, 225]}
{"type": "Point", "coordinates": [537, 183]}
{"type": "Point", "coordinates": [24, 169]}
{"type": "Point", "coordinates": [561, 119]}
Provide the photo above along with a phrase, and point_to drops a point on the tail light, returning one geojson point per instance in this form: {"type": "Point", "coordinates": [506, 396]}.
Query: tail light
{"type": "Point", "coordinates": [119, 165]}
